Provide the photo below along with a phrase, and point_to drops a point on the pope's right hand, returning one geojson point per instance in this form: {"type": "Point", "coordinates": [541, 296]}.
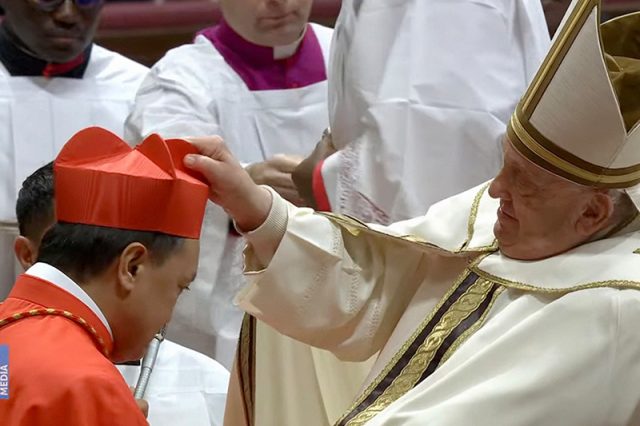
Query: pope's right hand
{"type": "Point", "coordinates": [230, 186]}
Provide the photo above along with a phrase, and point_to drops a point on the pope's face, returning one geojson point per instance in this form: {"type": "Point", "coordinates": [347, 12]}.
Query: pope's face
{"type": "Point", "coordinates": [538, 212]}
{"type": "Point", "coordinates": [56, 36]}
{"type": "Point", "coordinates": [150, 304]}
{"type": "Point", "coordinates": [267, 22]}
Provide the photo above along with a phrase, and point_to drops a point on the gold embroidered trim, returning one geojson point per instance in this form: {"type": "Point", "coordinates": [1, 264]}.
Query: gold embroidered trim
{"type": "Point", "coordinates": [603, 177]}
{"type": "Point", "coordinates": [490, 248]}
{"type": "Point", "coordinates": [474, 215]}
{"type": "Point", "coordinates": [411, 374]}
{"type": "Point", "coordinates": [556, 54]}
{"type": "Point", "coordinates": [350, 224]}
{"type": "Point", "coordinates": [471, 330]}
{"type": "Point", "coordinates": [57, 312]}
{"type": "Point", "coordinates": [530, 287]}
{"type": "Point", "coordinates": [355, 227]}
{"type": "Point", "coordinates": [246, 355]}
{"type": "Point", "coordinates": [367, 392]}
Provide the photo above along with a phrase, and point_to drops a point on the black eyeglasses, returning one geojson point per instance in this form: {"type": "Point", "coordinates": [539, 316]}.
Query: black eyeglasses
{"type": "Point", "coordinates": [51, 5]}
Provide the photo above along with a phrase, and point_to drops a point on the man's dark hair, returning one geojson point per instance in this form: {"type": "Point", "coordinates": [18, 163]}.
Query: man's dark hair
{"type": "Point", "coordinates": [84, 251]}
{"type": "Point", "coordinates": [34, 208]}
{"type": "Point", "coordinates": [81, 251]}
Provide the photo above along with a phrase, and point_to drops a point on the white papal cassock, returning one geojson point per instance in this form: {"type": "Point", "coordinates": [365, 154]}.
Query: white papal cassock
{"type": "Point", "coordinates": [467, 335]}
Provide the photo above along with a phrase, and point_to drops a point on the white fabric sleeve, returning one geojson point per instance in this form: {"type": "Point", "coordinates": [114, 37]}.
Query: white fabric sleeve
{"type": "Point", "coordinates": [264, 240]}
{"type": "Point", "coordinates": [171, 104]}
{"type": "Point", "coordinates": [323, 285]}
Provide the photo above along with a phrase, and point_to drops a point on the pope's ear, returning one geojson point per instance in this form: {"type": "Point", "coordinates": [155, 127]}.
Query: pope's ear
{"type": "Point", "coordinates": [596, 214]}
{"type": "Point", "coordinates": [25, 251]}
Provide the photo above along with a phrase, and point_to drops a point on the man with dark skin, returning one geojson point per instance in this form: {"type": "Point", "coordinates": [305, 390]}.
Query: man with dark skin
{"type": "Point", "coordinates": [54, 31]}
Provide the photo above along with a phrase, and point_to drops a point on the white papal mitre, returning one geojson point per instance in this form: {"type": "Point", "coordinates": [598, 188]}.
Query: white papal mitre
{"type": "Point", "coordinates": [579, 117]}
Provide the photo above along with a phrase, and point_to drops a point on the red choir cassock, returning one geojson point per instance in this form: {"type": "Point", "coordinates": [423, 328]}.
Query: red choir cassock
{"type": "Point", "coordinates": [60, 372]}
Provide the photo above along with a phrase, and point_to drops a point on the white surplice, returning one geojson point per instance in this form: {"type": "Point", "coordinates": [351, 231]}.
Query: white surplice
{"type": "Point", "coordinates": [420, 94]}
{"type": "Point", "coordinates": [40, 114]}
{"type": "Point", "coordinates": [557, 343]}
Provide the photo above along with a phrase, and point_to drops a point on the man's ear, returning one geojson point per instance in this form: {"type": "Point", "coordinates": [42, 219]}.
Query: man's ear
{"type": "Point", "coordinates": [26, 252]}
{"type": "Point", "coordinates": [131, 264]}
{"type": "Point", "coordinates": [596, 214]}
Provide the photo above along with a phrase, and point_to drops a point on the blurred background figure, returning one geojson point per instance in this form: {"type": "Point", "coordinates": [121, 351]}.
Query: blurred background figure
{"type": "Point", "coordinates": [258, 79]}
{"type": "Point", "coordinates": [144, 30]}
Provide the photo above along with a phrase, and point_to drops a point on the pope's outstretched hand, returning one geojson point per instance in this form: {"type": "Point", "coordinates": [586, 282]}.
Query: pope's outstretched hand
{"type": "Point", "coordinates": [230, 185]}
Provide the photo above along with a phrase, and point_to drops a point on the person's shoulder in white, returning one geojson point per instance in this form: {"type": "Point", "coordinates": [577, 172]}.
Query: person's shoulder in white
{"type": "Point", "coordinates": [109, 65]}
{"type": "Point", "coordinates": [174, 99]}
{"type": "Point", "coordinates": [199, 62]}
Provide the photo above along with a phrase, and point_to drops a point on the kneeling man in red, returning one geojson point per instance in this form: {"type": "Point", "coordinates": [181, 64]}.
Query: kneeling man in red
{"type": "Point", "coordinates": [108, 275]}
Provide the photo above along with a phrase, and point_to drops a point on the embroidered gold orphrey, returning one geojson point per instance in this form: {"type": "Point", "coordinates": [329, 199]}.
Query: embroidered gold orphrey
{"type": "Point", "coordinates": [460, 312]}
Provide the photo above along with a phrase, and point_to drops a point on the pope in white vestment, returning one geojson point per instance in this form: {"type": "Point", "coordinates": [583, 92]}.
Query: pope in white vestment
{"type": "Point", "coordinates": [420, 94]}
{"type": "Point", "coordinates": [514, 303]}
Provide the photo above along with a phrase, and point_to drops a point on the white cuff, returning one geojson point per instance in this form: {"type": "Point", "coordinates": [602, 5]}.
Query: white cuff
{"type": "Point", "coordinates": [265, 239]}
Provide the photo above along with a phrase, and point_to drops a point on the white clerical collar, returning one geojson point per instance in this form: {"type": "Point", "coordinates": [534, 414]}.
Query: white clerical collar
{"type": "Point", "coordinates": [286, 51]}
{"type": "Point", "coordinates": [58, 278]}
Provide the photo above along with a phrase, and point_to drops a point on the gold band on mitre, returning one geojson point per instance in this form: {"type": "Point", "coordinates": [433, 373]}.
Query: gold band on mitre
{"type": "Point", "coordinates": [541, 151]}
{"type": "Point", "coordinates": [587, 134]}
